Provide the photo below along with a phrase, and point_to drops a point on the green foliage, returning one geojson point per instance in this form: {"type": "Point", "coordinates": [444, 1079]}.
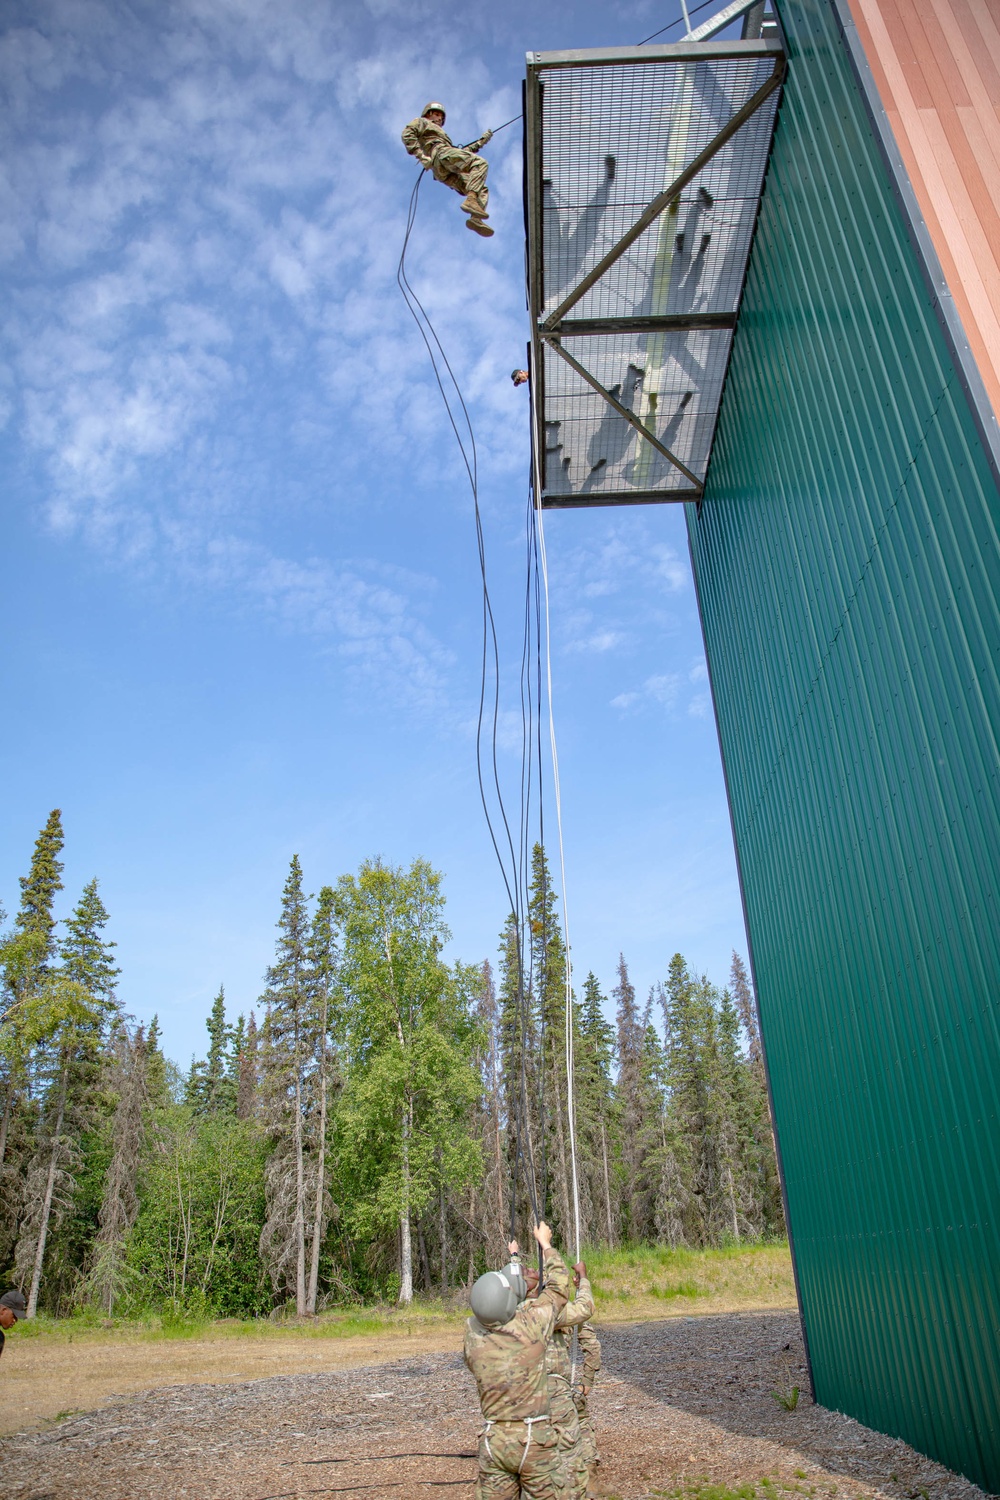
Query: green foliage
{"type": "Point", "coordinates": [85, 956]}
{"type": "Point", "coordinates": [367, 1143]}
{"type": "Point", "coordinates": [194, 1248]}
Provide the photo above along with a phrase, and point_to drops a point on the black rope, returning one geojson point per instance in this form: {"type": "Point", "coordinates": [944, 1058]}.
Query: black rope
{"type": "Point", "coordinates": [494, 132]}
{"type": "Point", "coordinates": [679, 22]}
{"type": "Point", "coordinates": [514, 881]}
{"type": "Point", "coordinates": [373, 1458]}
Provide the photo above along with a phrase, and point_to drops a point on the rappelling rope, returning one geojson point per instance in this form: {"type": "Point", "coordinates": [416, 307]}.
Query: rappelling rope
{"type": "Point", "coordinates": [498, 128]}
{"type": "Point", "coordinates": [513, 884]}
{"type": "Point", "coordinates": [570, 1089]}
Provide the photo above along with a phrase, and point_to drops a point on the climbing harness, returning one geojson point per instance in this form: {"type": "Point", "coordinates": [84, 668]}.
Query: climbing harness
{"type": "Point", "coordinates": [529, 1422]}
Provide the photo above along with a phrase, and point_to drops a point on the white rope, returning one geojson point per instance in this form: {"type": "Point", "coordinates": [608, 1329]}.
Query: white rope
{"type": "Point", "coordinates": [570, 1091]}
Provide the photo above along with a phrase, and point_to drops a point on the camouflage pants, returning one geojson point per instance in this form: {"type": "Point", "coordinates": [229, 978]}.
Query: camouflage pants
{"type": "Point", "coordinates": [566, 1422]}
{"type": "Point", "coordinates": [465, 172]}
{"type": "Point", "coordinates": [518, 1462]}
{"type": "Point", "coordinates": [588, 1442]}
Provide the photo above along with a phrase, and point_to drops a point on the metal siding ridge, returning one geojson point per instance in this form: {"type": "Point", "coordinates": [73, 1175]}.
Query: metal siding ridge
{"type": "Point", "coordinates": [937, 286]}
{"type": "Point", "coordinates": [849, 607]}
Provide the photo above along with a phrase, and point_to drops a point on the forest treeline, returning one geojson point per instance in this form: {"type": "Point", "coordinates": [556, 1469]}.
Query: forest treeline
{"type": "Point", "coordinates": [358, 1134]}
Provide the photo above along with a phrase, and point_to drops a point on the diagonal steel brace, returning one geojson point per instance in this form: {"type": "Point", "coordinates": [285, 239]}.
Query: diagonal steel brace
{"type": "Point", "coordinates": [669, 194]}
{"type": "Point", "coordinates": [623, 411]}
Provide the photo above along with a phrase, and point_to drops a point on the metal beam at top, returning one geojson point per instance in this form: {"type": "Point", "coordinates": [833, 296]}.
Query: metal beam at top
{"type": "Point", "coordinates": [721, 20]}
{"type": "Point", "coordinates": [651, 323]}
{"type": "Point", "coordinates": [686, 51]}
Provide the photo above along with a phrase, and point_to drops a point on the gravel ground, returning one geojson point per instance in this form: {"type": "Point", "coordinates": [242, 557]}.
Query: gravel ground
{"type": "Point", "coordinates": [679, 1401]}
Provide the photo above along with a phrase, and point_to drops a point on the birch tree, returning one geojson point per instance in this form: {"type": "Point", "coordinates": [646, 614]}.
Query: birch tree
{"type": "Point", "coordinates": [283, 1059]}
{"type": "Point", "coordinates": [323, 962]}
{"type": "Point", "coordinates": [404, 1111]}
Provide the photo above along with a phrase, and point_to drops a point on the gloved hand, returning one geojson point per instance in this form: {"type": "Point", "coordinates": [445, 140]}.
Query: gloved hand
{"type": "Point", "coordinates": [487, 137]}
{"type": "Point", "coordinates": [425, 162]}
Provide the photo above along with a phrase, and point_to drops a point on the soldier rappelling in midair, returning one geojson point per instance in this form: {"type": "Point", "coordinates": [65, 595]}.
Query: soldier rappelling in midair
{"type": "Point", "coordinates": [458, 167]}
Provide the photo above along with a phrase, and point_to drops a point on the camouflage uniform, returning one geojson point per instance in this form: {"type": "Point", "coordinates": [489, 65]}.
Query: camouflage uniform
{"type": "Point", "coordinates": [562, 1405]}
{"type": "Point", "coordinates": [590, 1346]}
{"type": "Point", "coordinates": [458, 167]}
{"type": "Point", "coordinates": [519, 1452]}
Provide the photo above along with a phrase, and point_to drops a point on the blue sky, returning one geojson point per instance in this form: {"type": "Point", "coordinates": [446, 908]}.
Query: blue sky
{"type": "Point", "coordinates": [239, 585]}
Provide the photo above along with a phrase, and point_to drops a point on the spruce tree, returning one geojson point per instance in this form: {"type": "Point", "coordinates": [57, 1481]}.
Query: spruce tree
{"type": "Point", "coordinates": [521, 1071]}
{"type": "Point", "coordinates": [38, 892]}
{"type": "Point", "coordinates": [85, 956]}
{"type": "Point", "coordinates": [211, 1089]}
{"type": "Point", "coordinates": [246, 1072]}
{"type": "Point", "coordinates": [630, 1040]}
{"type": "Point", "coordinates": [596, 1114]}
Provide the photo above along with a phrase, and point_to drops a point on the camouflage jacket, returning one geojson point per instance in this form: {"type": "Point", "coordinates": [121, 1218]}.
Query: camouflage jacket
{"type": "Point", "coordinates": [590, 1345]}
{"type": "Point", "coordinates": [509, 1362]}
{"type": "Point", "coordinates": [557, 1359]}
{"type": "Point", "coordinates": [423, 139]}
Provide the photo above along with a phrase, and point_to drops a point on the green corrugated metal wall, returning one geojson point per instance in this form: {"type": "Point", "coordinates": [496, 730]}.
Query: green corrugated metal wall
{"type": "Point", "coordinates": [849, 578]}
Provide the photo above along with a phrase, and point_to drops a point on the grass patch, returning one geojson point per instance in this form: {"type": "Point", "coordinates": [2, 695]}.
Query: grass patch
{"type": "Point", "coordinates": [629, 1283]}
{"type": "Point", "coordinates": [647, 1281]}
{"type": "Point", "coordinates": [765, 1489]}
{"type": "Point", "coordinates": [370, 1322]}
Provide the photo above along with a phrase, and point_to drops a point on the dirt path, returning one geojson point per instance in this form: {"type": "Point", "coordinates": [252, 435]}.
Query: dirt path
{"type": "Point", "coordinates": [41, 1380]}
{"type": "Point", "coordinates": [678, 1400]}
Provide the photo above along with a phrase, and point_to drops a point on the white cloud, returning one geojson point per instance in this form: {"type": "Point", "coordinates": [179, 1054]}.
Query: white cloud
{"type": "Point", "coordinates": [600, 641]}
{"type": "Point", "coordinates": [200, 217]}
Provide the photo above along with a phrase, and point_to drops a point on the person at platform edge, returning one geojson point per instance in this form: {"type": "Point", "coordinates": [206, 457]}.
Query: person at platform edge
{"type": "Point", "coordinates": [458, 167]}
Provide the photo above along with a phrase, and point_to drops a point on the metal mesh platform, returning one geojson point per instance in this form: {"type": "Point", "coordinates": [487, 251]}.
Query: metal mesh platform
{"type": "Point", "coordinates": [644, 175]}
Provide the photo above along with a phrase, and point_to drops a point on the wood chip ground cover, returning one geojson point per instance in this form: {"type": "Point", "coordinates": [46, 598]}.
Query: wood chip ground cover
{"type": "Point", "coordinates": [683, 1408]}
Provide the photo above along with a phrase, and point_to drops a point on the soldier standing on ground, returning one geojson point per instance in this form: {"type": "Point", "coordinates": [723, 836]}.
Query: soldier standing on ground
{"type": "Point", "coordinates": [505, 1345]}
{"type": "Point", "coordinates": [562, 1402]}
{"type": "Point", "coordinates": [590, 1348]}
{"type": "Point", "coordinates": [458, 167]}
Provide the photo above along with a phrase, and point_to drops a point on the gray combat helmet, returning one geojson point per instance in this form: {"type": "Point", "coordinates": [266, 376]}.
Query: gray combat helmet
{"type": "Point", "coordinates": [433, 105]}
{"type": "Point", "coordinates": [495, 1297]}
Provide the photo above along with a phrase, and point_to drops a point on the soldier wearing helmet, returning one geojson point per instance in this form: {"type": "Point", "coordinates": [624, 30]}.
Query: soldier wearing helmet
{"type": "Point", "coordinates": [505, 1343]}
{"type": "Point", "coordinates": [564, 1406]}
{"type": "Point", "coordinates": [458, 167]}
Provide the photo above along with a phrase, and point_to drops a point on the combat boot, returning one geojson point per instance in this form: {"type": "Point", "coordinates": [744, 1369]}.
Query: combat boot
{"type": "Point", "coordinates": [473, 207]}
{"type": "Point", "coordinates": [480, 227]}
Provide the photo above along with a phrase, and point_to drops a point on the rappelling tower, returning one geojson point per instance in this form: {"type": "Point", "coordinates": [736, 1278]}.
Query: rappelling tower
{"type": "Point", "coordinates": [764, 281]}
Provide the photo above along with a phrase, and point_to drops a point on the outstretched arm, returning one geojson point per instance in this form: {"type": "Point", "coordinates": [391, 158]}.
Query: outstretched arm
{"type": "Point", "coordinates": [580, 1310]}
{"type": "Point", "coordinates": [556, 1291]}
